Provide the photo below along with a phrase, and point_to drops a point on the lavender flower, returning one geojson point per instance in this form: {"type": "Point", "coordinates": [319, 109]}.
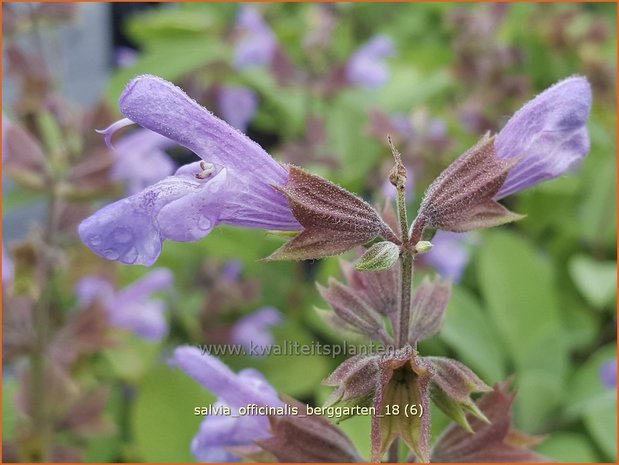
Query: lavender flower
{"type": "Point", "coordinates": [608, 374]}
{"type": "Point", "coordinates": [217, 433]}
{"type": "Point", "coordinates": [232, 185]}
{"type": "Point", "coordinates": [125, 56]}
{"type": "Point", "coordinates": [141, 160]}
{"type": "Point", "coordinates": [238, 105]}
{"type": "Point", "coordinates": [253, 331]}
{"type": "Point", "coordinates": [367, 67]}
{"type": "Point", "coordinates": [549, 134]}
{"type": "Point", "coordinates": [232, 271]}
{"type": "Point", "coordinates": [258, 44]}
{"type": "Point", "coordinates": [449, 254]}
{"type": "Point", "coordinates": [133, 308]}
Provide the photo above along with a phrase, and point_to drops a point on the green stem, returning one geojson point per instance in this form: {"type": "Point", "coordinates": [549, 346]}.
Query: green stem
{"type": "Point", "coordinates": [40, 410]}
{"type": "Point", "coordinates": [406, 268]}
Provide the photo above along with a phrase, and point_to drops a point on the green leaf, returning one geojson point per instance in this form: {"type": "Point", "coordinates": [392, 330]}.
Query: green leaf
{"type": "Point", "coordinates": [517, 285]}
{"type": "Point", "coordinates": [381, 256]}
{"type": "Point", "coordinates": [163, 421]}
{"type": "Point", "coordinates": [568, 448]}
{"type": "Point", "coordinates": [468, 330]}
{"type": "Point", "coordinates": [596, 280]}
{"type": "Point", "coordinates": [585, 385]}
{"type": "Point", "coordinates": [601, 421]}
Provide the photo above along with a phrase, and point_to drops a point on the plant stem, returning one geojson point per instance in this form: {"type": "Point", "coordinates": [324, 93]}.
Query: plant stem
{"type": "Point", "coordinates": [397, 176]}
{"type": "Point", "coordinates": [40, 409]}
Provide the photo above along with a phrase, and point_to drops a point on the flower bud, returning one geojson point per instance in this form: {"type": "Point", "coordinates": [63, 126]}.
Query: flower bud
{"type": "Point", "coordinates": [380, 256]}
{"type": "Point", "coordinates": [423, 246]}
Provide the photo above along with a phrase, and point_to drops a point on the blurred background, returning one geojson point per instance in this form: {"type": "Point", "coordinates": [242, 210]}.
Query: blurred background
{"type": "Point", "coordinates": [85, 341]}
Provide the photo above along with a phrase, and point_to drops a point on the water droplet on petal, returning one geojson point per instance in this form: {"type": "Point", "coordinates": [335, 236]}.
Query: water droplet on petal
{"type": "Point", "coordinates": [122, 235]}
{"type": "Point", "coordinates": [204, 223]}
{"type": "Point", "coordinates": [111, 254]}
{"type": "Point", "coordinates": [95, 240]}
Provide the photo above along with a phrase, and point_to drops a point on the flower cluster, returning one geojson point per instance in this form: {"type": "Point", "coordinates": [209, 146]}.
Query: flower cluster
{"type": "Point", "coordinates": [238, 183]}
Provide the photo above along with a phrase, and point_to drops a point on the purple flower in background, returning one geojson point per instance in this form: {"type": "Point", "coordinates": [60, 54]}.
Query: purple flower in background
{"type": "Point", "coordinates": [237, 105]}
{"type": "Point", "coordinates": [367, 67]}
{"type": "Point", "coordinates": [232, 271]}
{"type": "Point", "coordinates": [258, 44]}
{"type": "Point", "coordinates": [549, 134]}
{"type": "Point", "coordinates": [125, 56]}
{"type": "Point", "coordinates": [232, 185]}
{"type": "Point", "coordinates": [449, 255]}
{"type": "Point", "coordinates": [141, 160]}
{"type": "Point", "coordinates": [253, 332]}
{"type": "Point", "coordinates": [217, 433]}
{"type": "Point", "coordinates": [608, 373]}
{"type": "Point", "coordinates": [132, 308]}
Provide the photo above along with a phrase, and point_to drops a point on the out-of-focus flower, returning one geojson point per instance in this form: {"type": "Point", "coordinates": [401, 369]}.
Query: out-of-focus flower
{"type": "Point", "coordinates": [549, 135]}
{"type": "Point", "coordinates": [232, 270]}
{"type": "Point", "coordinates": [258, 45]}
{"type": "Point", "coordinates": [141, 160]}
{"type": "Point", "coordinates": [218, 433]}
{"type": "Point", "coordinates": [608, 374]}
{"type": "Point", "coordinates": [253, 332]}
{"type": "Point", "coordinates": [125, 56]}
{"type": "Point", "coordinates": [367, 67]}
{"type": "Point", "coordinates": [232, 185]}
{"type": "Point", "coordinates": [450, 254]}
{"type": "Point", "coordinates": [237, 105]}
{"type": "Point", "coordinates": [8, 269]}
{"type": "Point", "coordinates": [543, 140]}
{"type": "Point", "coordinates": [132, 308]}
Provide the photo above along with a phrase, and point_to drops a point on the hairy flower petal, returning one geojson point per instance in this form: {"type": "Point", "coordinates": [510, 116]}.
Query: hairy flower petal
{"type": "Point", "coordinates": [548, 134]}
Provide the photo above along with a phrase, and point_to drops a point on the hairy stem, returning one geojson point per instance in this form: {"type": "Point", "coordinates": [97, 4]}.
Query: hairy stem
{"type": "Point", "coordinates": [406, 268]}
{"type": "Point", "coordinates": [397, 176]}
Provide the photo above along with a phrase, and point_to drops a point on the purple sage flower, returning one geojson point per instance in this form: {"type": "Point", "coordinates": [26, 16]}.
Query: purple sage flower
{"type": "Point", "coordinates": [450, 254]}
{"type": "Point", "coordinates": [253, 331]}
{"type": "Point", "coordinates": [233, 184]}
{"type": "Point", "coordinates": [367, 67]}
{"type": "Point", "coordinates": [608, 374]}
{"type": "Point", "coordinates": [232, 270]}
{"type": "Point", "coordinates": [549, 134]}
{"type": "Point", "coordinates": [125, 57]}
{"type": "Point", "coordinates": [258, 44]}
{"type": "Point", "coordinates": [132, 308]}
{"type": "Point", "coordinates": [237, 105]}
{"type": "Point", "coordinates": [141, 160]}
{"type": "Point", "coordinates": [219, 432]}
